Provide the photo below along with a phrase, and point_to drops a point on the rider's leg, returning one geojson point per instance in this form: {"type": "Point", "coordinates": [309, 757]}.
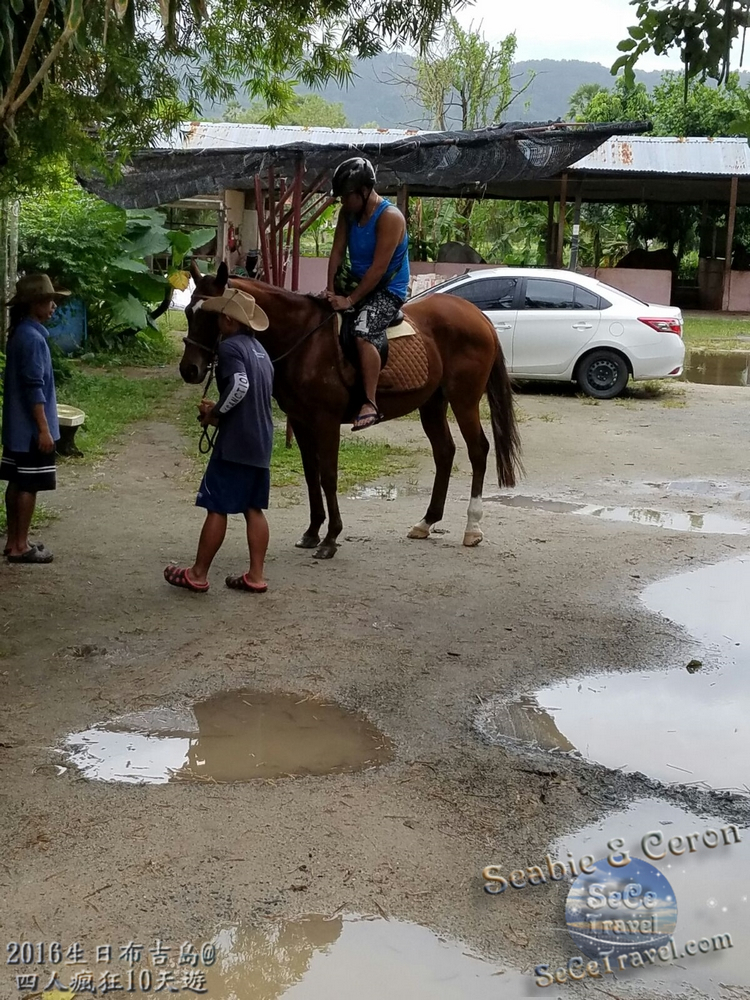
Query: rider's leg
{"type": "Point", "coordinates": [369, 363]}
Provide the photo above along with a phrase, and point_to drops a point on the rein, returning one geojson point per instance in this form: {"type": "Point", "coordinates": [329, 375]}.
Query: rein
{"type": "Point", "coordinates": [208, 436]}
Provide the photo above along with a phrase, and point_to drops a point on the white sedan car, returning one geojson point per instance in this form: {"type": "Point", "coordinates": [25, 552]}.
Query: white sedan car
{"type": "Point", "coordinates": [561, 326]}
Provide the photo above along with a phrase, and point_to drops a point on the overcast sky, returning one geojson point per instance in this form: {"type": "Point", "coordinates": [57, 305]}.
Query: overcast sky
{"type": "Point", "coordinates": [560, 29]}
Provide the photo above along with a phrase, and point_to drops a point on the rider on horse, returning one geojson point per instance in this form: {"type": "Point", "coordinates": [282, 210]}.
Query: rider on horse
{"type": "Point", "coordinates": [374, 233]}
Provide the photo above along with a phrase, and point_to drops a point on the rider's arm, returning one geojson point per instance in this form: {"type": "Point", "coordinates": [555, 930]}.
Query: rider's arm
{"type": "Point", "coordinates": [389, 232]}
{"type": "Point", "coordinates": [338, 251]}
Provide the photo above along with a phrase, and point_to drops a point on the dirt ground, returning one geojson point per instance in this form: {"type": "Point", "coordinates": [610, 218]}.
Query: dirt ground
{"type": "Point", "coordinates": [412, 633]}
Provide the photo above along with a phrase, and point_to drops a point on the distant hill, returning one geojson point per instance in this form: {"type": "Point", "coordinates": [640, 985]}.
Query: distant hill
{"type": "Point", "coordinates": [378, 94]}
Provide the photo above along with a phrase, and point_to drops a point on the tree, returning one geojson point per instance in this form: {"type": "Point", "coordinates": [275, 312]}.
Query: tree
{"type": "Point", "coordinates": [702, 31]}
{"type": "Point", "coordinates": [703, 110]}
{"type": "Point", "coordinates": [308, 110]}
{"type": "Point", "coordinates": [83, 78]}
{"type": "Point", "coordinates": [623, 103]}
{"type": "Point", "coordinates": [463, 81]}
{"type": "Point", "coordinates": [581, 98]}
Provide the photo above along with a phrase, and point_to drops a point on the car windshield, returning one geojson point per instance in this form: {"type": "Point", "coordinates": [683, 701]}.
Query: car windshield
{"type": "Point", "coordinates": [625, 295]}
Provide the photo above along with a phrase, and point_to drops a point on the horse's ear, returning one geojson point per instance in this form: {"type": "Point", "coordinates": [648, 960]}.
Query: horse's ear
{"type": "Point", "coordinates": [195, 271]}
{"type": "Point", "coordinates": [222, 275]}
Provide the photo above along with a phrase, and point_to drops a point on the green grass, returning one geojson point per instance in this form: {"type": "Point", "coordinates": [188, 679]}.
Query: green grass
{"type": "Point", "coordinates": [360, 461]}
{"type": "Point", "coordinates": [716, 332]}
{"type": "Point", "coordinates": [111, 401]}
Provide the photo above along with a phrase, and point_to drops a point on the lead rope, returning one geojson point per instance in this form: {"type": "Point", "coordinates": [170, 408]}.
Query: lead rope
{"type": "Point", "coordinates": [208, 433]}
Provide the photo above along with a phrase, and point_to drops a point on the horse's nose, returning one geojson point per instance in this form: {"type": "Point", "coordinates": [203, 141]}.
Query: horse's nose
{"type": "Point", "coordinates": [190, 373]}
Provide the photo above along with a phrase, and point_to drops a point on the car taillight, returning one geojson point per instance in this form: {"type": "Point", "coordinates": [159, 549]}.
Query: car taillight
{"type": "Point", "coordinates": [662, 325]}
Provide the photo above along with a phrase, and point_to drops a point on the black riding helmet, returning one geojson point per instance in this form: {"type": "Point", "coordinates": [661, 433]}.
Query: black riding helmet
{"type": "Point", "coordinates": [351, 176]}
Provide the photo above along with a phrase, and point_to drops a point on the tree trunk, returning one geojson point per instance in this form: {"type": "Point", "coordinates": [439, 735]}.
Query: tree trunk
{"type": "Point", "coordinates": [8, 260]}
{"type": "Point", "coordinates": [465, 206]}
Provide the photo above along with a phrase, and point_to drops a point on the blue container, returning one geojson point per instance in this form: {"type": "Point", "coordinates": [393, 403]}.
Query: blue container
{"type": "Point", "coordinates": [67, 328]}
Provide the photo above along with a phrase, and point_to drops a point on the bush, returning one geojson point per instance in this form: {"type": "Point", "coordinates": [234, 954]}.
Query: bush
{"type": "Point", "coordinates": [99, 253]}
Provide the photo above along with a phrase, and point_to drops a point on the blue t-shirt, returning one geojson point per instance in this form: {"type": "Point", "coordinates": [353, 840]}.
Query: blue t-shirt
{"type": "Point", "coordinates": [361, 241]}
{"type": "Point", "coordinates": [244, 376]}
{"type": "Point", "coordinates": [28, 381]}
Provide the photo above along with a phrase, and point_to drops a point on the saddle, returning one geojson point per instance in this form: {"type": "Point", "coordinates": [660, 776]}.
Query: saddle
{"type": "Point", "coordinates": [404, 358]}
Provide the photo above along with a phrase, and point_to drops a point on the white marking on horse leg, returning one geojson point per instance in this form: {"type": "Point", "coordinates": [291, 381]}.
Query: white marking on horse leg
{"type": "Point", "coordinates": [473, 534]}
{"type": "Point", "coordinates": [421, 530]}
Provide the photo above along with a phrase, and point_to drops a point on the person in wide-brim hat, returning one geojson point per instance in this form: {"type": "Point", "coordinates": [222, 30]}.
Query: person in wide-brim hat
{"type": "Point", "coordinates": [36, 288]}
{"type": "Point", "coordinates": [30, 424]}
{"type": "Point", "coordinates": [239, 306]}
{"type": "Point", "coordinates": [238, 478]}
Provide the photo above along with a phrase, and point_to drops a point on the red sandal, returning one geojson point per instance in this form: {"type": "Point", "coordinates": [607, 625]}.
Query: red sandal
{"type": "Point", "coordinates": [179, 577]}
{"type": "Point", "coordinates": [242, 583]}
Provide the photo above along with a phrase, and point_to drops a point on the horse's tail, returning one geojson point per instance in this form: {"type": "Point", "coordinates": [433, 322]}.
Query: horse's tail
{"type": "Point", "coordinates": [504, 423]}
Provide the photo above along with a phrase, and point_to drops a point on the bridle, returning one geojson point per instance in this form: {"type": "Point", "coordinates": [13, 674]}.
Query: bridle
{"type": "Point", "coordinates": [208, 438]}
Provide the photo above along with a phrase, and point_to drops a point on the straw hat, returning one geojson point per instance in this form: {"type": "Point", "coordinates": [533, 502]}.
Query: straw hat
{"type": "Point", "coordinates": [240, 306]}
{"type": "Point", "coordinates": [33, 287]}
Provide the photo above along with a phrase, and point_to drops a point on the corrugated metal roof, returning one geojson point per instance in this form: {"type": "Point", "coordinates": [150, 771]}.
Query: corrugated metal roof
{"type": "Point", "coordinates": [225, 135]}
{"type": "Point", "coordinates": [641, 154]}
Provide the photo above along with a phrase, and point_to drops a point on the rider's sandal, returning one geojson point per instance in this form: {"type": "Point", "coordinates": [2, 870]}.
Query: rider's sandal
{"type": "Point", "coordinates": [365, 420]}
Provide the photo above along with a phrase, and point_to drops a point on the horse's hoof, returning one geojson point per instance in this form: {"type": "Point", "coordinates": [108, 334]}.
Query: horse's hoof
{"type": "Point", "coordinates": [472, 538]}
{"type": "Point", "coordinates": [419, 531]}
{"type": "Point", "coordinates": [308, 542]}
{"type": "Point", "coordinates": [326, 551]}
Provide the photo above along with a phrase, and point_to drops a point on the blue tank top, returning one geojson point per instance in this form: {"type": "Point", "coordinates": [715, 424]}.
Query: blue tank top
{"type": "Point", "coordinates": [361, 242]}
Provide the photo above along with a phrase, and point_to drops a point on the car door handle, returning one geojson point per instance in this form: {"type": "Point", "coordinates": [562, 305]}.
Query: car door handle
{"type": "Point", "coordinates": [503, 326]}
{"type": "Point", "coordinates": [583, 326]}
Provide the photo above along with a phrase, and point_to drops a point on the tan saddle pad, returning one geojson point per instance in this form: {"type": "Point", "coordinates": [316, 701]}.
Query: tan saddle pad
{"type": "Point", "coordinates": [408, 367]}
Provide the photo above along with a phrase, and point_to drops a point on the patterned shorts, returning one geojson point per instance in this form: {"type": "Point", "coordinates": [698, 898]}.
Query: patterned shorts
{"type": "Point", "coordinates": [375, 316]}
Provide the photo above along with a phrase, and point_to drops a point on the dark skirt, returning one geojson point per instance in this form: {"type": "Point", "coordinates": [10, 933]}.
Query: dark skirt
{"type": "Point", "coordinates": [233, 488]}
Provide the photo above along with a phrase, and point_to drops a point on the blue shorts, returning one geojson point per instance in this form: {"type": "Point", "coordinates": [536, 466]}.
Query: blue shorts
{"type": "Point", "coordinates": [233, 488]}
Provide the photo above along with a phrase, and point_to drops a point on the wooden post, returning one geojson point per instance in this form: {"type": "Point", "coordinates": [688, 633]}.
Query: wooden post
{"type": "Point", "coordinates": [402, 201]}
{"type": "Point", "coordinates": [262, 230]}
{"type": "Point", "coordinates": [561, 219]}
{"type": "Point", "coordinates": [550, 240]}
{"type": "Point", "coordinates": [730, 240]}
{"type": "Point", "coordinates": [296, 223]}
{"type": "Point", "coordinates": [272, 279]}
{"type": "Point", "coordinates": [576, 230]}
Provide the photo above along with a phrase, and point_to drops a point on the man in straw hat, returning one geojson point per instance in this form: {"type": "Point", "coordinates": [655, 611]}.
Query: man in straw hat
{"type": "Point", "coordinates": [237, 480]}
{"type": "Point", "coordinates": [30, 429]}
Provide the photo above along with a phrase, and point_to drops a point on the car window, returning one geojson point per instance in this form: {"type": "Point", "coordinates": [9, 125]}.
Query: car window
{"type": "Point", "coordinates": [609, 289]}
{"type": "Point", "coordinates": [488, 294]}
{"type": "Point", "coordinates": [586, 299]}
{"type": "Point", "coordinates": [546, 293]}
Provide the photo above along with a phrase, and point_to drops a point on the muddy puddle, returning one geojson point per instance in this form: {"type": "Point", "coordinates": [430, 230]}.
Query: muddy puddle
{"type": "Point", "coordinates": [677, 726]}
{"type": "Point", "coordinates": [234, 736]}
{"type": "Point", "coordinates": [322, 958]}
{"type": "Point", "coordinates": [711, 886]}
{"type": "Point", "coordinates": [707, 523]}
{"type": "Point", "coordinates": [374, 493]}
{"type": "Point", "coordinates": [714, 489]}
{"type": "Point", "coordinates": [717, 368]}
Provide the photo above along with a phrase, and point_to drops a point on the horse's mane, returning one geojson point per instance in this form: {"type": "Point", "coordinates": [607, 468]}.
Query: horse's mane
{"type": "Point", "coordinates": [238, 282]}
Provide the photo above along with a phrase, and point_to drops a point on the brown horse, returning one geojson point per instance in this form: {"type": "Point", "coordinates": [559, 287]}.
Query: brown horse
{"type": "Point", "coordinates": [465, 360]}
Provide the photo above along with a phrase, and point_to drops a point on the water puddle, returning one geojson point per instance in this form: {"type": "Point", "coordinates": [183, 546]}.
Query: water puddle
{"type": "Point", "coordinates": [234, 736]}
{"type": "Point", "coordinates": [706, 488]}
{"type": "Point", "coordinates": [711, 886]}
{"type": "Point", "coordinates": [720, 368]}
{"type": "Point", "coordinates": [374, 493]}
{"type": "Point", "coordinates": [320, 958]}
{"type": "Point", "coordinates": [678, 726]}
{"type": "Point", "coordinates": [711, 524]}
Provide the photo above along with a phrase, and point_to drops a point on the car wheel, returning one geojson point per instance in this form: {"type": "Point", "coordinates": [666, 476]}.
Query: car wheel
{"type": "Point", "coordinates": [602, 374]}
